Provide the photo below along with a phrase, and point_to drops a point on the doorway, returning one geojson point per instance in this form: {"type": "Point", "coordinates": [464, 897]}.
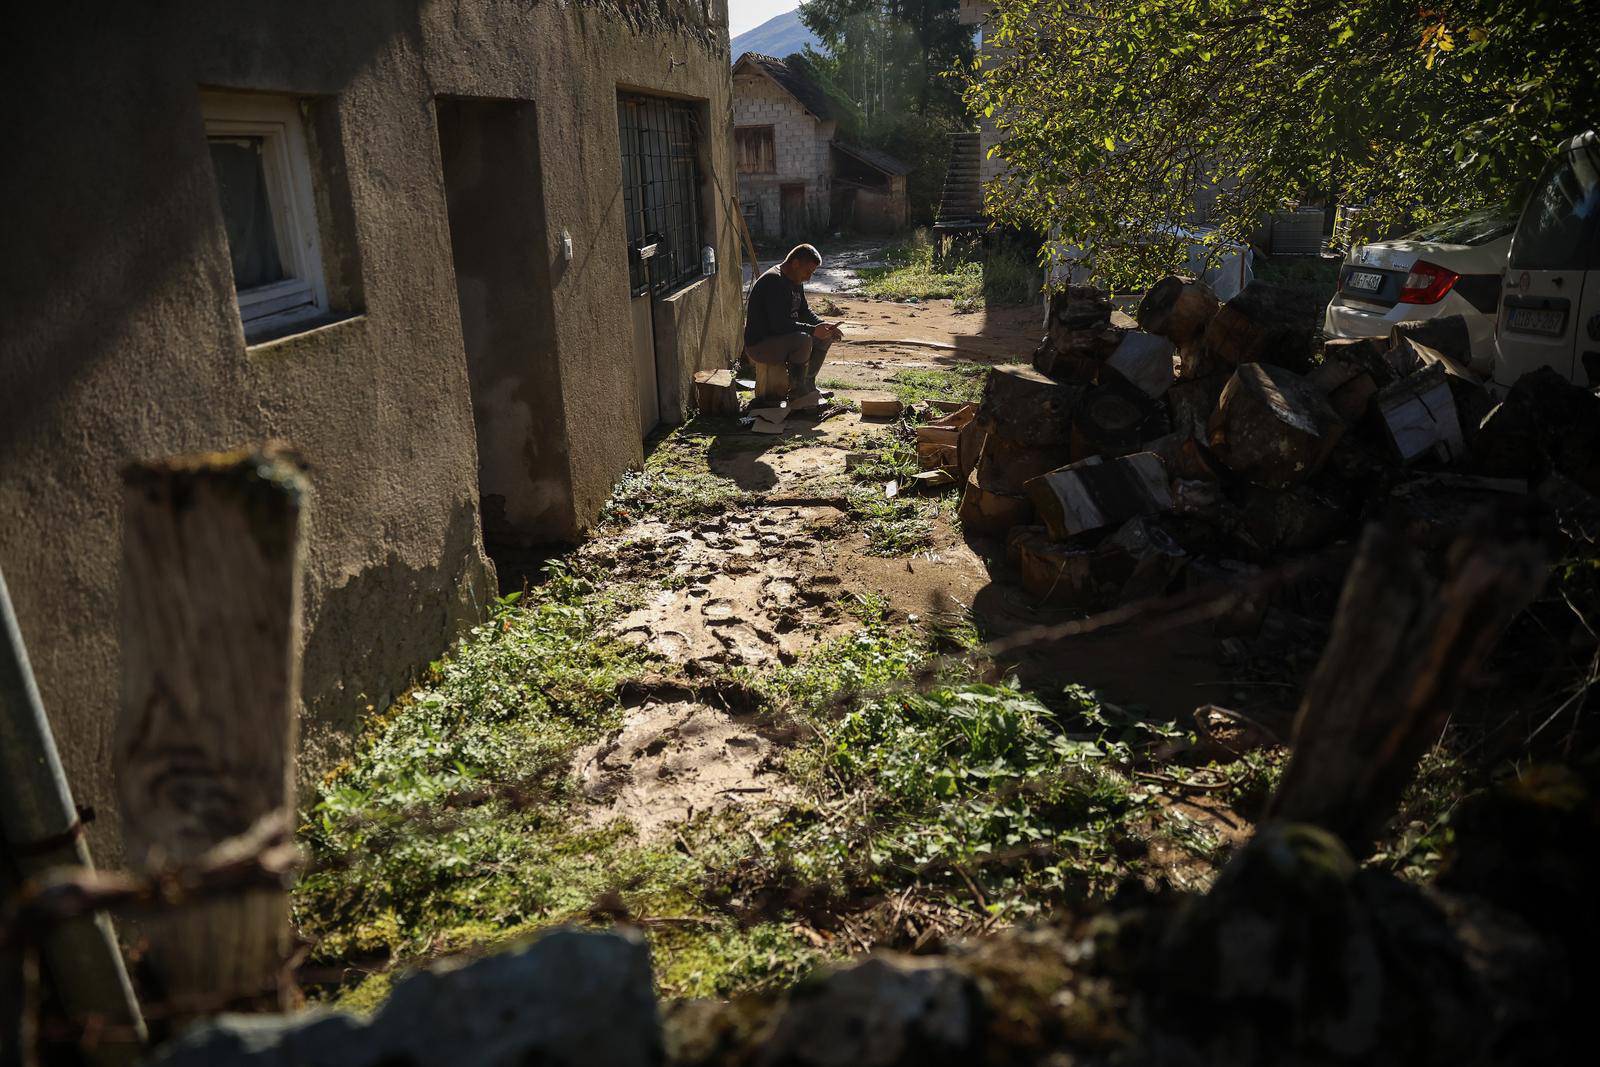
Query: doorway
{"type": "Point", "coordinates": [792, 210]}
{"type": "Point", "coordinates": [488, 150]}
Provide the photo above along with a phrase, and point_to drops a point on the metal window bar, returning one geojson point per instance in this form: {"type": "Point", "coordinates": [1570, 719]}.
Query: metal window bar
{"type": "Point", "coordinates": [661, 185]}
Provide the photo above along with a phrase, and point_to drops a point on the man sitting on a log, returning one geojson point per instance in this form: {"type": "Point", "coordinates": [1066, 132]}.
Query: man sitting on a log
{"type": "Point", "coordinates": [779, 326]}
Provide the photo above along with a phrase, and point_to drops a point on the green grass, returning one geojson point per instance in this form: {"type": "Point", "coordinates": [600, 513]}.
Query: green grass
{"type": "Point", "coordinates": [1001, 277]}
{"type": "Point", "coordinates": [677, 481]}
{"type": "Point", "coordinates": [961, 381]}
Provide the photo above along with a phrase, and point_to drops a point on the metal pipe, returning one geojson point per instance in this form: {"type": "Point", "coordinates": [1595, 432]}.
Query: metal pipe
{"type": "Point", "coordinates": [40, 831]}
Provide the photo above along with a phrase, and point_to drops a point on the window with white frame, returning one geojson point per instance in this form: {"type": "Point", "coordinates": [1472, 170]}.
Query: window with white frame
{"type": "Point", "coordinates": [264, 190]}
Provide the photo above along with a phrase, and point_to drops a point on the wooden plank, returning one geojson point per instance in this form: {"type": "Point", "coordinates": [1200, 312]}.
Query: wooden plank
{"type": "Point", "coordinates": [880, 406]}
{"type": "Point", "coordinates": [206, 734]}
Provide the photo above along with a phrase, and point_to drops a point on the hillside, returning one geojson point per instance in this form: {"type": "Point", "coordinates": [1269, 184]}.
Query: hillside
{"type": "Point", "coordinates": [780, 36]}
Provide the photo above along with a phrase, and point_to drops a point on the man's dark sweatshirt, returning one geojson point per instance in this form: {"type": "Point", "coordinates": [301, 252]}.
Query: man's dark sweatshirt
{"type": "Point", "coordinates": [777, 306]}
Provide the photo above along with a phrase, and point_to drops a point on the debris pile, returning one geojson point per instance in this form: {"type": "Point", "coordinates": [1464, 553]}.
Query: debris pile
{"type": "Point", "coordinates": [1210, 439]}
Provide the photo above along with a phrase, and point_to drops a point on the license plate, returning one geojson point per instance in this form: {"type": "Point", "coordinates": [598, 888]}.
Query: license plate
{"type": "Point", "coordinates": [1366, 281]}
{"type": "Point", "coordinates": [1551, 322]}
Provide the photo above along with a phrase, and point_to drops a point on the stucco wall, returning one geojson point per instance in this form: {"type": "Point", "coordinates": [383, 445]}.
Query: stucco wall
{"type": "Point", "coordinates": [801, 147]}
{"type": "Point", "coordinates": [122, 339]}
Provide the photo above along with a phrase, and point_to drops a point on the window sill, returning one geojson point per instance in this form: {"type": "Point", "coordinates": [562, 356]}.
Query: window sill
{"type": "Point", "coordinates": [304, 330]}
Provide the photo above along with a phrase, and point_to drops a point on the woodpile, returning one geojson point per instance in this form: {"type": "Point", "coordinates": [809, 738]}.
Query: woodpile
{"type": "Point", "coordinates": [1128, 462]}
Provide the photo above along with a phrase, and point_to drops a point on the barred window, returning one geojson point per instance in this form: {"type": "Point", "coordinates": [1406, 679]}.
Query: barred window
{"type": "Point", "coordinates": [661, 191]}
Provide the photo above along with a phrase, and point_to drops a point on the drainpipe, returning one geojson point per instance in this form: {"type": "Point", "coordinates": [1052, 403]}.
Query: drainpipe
{"type": "Point", "coordinates": [40, 831]}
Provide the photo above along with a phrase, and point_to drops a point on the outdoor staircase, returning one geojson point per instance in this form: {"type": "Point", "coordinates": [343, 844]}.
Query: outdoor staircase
{"type": "Point", "coordinates": [962, 199]}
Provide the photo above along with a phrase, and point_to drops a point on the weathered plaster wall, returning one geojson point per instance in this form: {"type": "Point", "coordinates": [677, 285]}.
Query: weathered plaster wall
{"type": "Point", "coordinates": [122, 340]}
{"type": "Point", "coordinates": [801, 146]}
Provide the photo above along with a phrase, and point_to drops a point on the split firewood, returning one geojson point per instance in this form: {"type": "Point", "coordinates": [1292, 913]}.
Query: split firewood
{"type": "Point", "coordinates": [1184, 457]}
{"type": "Point", "coordinates": [1058, 575]}
{"type": "Point", "coordinates": [1145, 360]}
{"type": "Point", "coordinates": [1403, 651]}
{"type": "Point", "coordinates": [1095, 493]}
{"type": "Point", "coordinates": [715, 393]}
{"type": "Point", "coordinates": [1371, 354]}
{"type": "Point", "coordinates": [1259, 325]}
{"type": "Point", "coordinates": [1177, 308]}
{"type": "Point", "coordinates": [1420, 414]}
{"type": "Point", "coordinates": [1190, 360]}
{"type": "Point", "coordinates": [1347, 385]}
{"type": "Point", "coordinates": [880, 406]}
{"type": "Point", "coordinates": [1078, 307]}
{"type": "Point", "coordinates": [1446, 334]}
{"type": "Point", "coordinates": [1006, 466]}
{"type": "Point", "coordinates": [990, 511]}
{"type": "Point", "coordinates": [1115, 419]}
{"type": "Point", "coordinates": [1190, 403]}
{"type": "Point", "coordinates": [1025, 406]}
{"type": "Point", "coordinates": [1297, 519]}
{"type": "Point", "coordinates": [1272, 426]}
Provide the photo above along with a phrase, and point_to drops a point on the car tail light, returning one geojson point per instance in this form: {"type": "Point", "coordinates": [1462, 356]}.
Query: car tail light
{"type": "Point", "coordinates": [1427, 283]}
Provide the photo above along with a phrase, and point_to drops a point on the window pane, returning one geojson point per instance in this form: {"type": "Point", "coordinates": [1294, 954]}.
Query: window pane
{"type": "Point", "coordinates": [242, 188]}
{"type": "Point", "coordinates": [1560, 220]}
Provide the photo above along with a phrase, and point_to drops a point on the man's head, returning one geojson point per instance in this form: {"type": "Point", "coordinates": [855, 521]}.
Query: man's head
{"type": "Point", "coordinates": [801, 262]}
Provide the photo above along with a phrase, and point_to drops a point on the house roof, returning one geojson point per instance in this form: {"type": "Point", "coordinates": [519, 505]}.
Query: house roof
{"type": "Point", "coordinates": [873, 158]}
{"type": "Point", "coordinates": [791, 81]}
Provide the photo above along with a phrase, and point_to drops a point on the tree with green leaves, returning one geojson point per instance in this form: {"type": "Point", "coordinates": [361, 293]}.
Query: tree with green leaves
{"type": "Point", "coordinates": [1115, 114]}
{"type": "Point", "coordinates": [892, 57]}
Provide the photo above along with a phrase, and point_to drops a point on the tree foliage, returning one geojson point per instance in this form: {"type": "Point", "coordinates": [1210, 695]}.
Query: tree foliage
{"type": "Point", "coordinates": [891, 56]}
{"type": "Point", "coordinates": [1114, 114]}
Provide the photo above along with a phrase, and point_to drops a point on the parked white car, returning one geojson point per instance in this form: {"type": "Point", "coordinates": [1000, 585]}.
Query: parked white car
{"type": "Point", "coordinates": [1452, 268]}
{"type": "Point", "coordinates": [1550, 310]}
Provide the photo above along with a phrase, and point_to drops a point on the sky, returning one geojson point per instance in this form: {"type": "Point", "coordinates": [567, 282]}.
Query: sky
{"type": "Point", "coordinates": [748, 14]}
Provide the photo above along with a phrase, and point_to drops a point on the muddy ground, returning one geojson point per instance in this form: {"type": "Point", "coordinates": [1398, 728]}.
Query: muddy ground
{"type": "Point", "coordinates": [766, 581]}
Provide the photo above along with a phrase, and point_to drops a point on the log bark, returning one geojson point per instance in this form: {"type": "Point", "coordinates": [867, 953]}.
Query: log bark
{"type": "Point", "coordinates": [1094, 494]}
{"type": "Point", "coordinates": [1006, 466]}
{"type": "Point", "coordinates": [1025, 406]}
{"type": "Point", "coordinates": [1083, 579]}
{"type": "Point", "coordinates": [1348, 387]}
{"type": "Point", "coordinates": [715, 393]}
{"type": "Point", "coordinates": [1272, 426]}
{"type": "Point", "coordinates": [1178, 309]}
{"type": "Point", "coordinates": [1144, 360]}
{"type": "Point", "coordinates": [1115, 419]}
{"type": "Point", "coordinates": [1190, 403]}
{"type": "Point", "coordinates": [1260, 325]}
{"type": "Point", "coordinates": [1402, 653]}
{"type": "Point", "coordinates": [205, 740]}
{"type": "Point", "coordinates": [989, 511]}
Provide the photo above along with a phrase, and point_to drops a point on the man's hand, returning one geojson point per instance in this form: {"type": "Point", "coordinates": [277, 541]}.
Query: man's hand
{"type": "Point", "coordinates": [828, 331]}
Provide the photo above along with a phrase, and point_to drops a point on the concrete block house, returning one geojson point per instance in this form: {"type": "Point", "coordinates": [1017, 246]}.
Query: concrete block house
{"type": "Point", "coordinates": [458, 253]}
{"type": "Point", "coordinates": [796, 179]}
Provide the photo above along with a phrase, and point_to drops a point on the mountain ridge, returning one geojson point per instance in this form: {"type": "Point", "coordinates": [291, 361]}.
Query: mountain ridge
{"type": "Point", "coordinates": [781, 35]}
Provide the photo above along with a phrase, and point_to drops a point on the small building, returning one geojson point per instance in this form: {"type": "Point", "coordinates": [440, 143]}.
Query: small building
{"type": "Point", "coordinates": [460, 254]}
{"type": "Point", "coordinates": [795, 177]}
{"type": "Point", "coordinates": [869, 190]}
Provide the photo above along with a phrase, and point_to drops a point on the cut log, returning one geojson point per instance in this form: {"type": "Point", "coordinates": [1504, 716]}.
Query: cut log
{"type": "Point", "coordinates": [1401, 654]}
{"type": "Point", "coordinates": [1371, 354]}
{"type": "Point", "coordinates": [1144, 360]}
{"type": "Point", "coordinates": [1272, 426]}
{"type": "Point", "coordinates": [1178, 309]}
{"type": "Point", "coordinates": [1190, 403]}
{"type": "Point", "coordinates": [1075, 358]}
{"type": "Point", "coordinates": [1544, 424]}
{"type": "Point", "coordinates": [988, 511]}
{"type": "Point", "coordinates": [715, 393]}
{"type": "Point", "coordinates": [1094, 493]}
{"type": "Point", "coordinates": [772, 382]}
{"type": "Point", "coordinates": [1078, 307]}
{"type": "Point", "coordinates": [1083, 579]}
{"type": "Point", "coordinates": [1260, 325]}
{"type": "Point", "coordinates": [1025, 406]}
{"type": "Point", "coordinates": [1420, 414]}
{"type": "Point", "coordinates": [206, 734]}
{"type": "Point", "coordinates": [1157, 558]}
{"type": "Point", "coordinates": [1297, 520]}
{"type": "Point", "coordinates": [1446, 334]}
{"type": "Point", "coordinates": [1007, 466]}
{"type": "Point", "coordinates": [1115, 419]}
{"type": "Point", "coordinates": [880, 406]}
{"type": "Point", "coordinates": [1348, 387]}
{"type": "Point", "coordinates": [1184, 457]}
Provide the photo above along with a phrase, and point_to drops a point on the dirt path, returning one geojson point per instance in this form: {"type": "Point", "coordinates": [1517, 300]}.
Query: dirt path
{"type": "Point", "coordinates": [764, 583]}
